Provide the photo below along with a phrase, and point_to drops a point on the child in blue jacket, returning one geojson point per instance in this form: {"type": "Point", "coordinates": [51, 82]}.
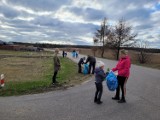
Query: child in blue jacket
{"type": "Point", "coordinates": [99, 77]}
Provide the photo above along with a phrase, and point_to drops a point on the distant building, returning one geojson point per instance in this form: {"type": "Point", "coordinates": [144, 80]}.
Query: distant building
{"type": "Point", "coordinates": [2, 42]}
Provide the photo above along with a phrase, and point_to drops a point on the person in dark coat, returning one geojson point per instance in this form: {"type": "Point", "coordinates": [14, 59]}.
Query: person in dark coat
{"type": "Point", "coordinates": [57, 66]}
{"type": "Point", "coordinates": [81, 62]}
{"type": "Point", "coordinates": [92, 63]}
{"type": "Point", "coordinates": [63, 53]}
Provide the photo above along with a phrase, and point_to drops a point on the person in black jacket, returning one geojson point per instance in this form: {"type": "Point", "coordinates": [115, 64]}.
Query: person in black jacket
{"type": "Point", "coordinates": [81, 61]}
{"type": "Point", "coordinates": [63, 53]}
{"type": "Point", "coordinates": [92, 63]}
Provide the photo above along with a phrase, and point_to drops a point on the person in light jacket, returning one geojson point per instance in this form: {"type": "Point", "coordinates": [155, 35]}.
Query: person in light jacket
{"type": "Point", "coordinates": [57, 66]}
{"type": "Point", "coordinates": [123, 68]}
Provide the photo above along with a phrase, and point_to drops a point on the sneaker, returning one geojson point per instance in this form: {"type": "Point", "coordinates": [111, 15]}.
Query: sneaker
{"type": "Point", "coordinates": [115, 98]}
{"type": "Point", "coordinates": [95, 100]}
{"type": "Point", "coordinates": [53, 83]}
{"type": "Point", "coordinates": [122, 101]}
{"type": "Point", "coordinates": [99, 102]}
{"type": "Point", "coordinates": [56, 82]}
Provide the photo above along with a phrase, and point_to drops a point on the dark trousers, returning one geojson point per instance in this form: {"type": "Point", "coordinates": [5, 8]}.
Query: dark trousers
{"type": "Point", "coordinates": [92, 65]}
{"type": "Point", "coordinates": [121, 81]}
{"type": "Point", "coordinates": [99, 91]}
{"type": "Point", "coordinates": [79, 69]}
{"type": "Point", "coordinates": [54, 77]}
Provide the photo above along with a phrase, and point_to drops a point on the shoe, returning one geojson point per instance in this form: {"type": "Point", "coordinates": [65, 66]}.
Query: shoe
{"type": "Point", "coordinates": [53, 83]}
{"type": "Point", "coordinates": [99, 102]}
{"type": "Point", "coordinates": [115, 98]}
{"type": "Point", "coordinates": [122, 101]}
{"type": "Point", "coordinates": [56, 82]}
{"type": "Point", "coordinates": [95, 100]}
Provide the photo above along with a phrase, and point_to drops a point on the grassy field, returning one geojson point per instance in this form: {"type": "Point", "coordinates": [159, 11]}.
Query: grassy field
{"type": "Point", "coordinates": [24, 53]}
{"type": "Point", "coordinates": [33, 75]}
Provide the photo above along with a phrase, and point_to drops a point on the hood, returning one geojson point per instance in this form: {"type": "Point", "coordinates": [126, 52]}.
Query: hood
{"type": "Point", "coordinates": [97, 70]}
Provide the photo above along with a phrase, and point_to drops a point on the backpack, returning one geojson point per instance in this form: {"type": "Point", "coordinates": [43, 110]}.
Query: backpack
{"type": "Point", "coordinates": [86, 68]}
{"type": "Point", "coordinates": [111, 81]}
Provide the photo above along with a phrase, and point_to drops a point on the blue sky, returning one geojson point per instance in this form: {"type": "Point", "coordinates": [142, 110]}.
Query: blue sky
{"type": "Point", "coordinates": [75, 21]}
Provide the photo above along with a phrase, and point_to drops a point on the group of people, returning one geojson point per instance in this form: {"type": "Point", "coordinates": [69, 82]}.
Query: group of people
{"type": "Point", "coordinates": [75, 54]}
{"type": "Point", "coordinates": [92, 63]}
{"type": "Point", "coordinates": [123, 68]}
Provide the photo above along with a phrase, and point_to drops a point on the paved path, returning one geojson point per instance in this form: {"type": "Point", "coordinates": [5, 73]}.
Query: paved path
{"type": "Point", "coordinates": [76, 103]}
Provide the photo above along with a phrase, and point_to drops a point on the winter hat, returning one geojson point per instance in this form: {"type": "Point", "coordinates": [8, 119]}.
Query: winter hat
{"type": "Point", "coordinates": [100, 64]}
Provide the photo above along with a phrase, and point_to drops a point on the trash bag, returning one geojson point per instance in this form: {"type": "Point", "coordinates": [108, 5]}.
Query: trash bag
{"type": "Point", "coordinates": [86, 68]}
{"type": "Point", "coordinates": [112, 82]}
{"type": "Point", "coordinates": [73, 54]}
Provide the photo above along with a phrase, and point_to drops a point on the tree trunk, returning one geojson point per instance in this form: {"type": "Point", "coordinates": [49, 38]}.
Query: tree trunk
{"type": "Point", "coordinates": [102, 52]}
{"type": "Point", "coordinates": [118, 53]}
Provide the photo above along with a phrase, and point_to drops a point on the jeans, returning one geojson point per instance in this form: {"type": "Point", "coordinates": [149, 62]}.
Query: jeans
{"type": "Point", "coordinates": [99, 91]}
{"type": "Point", "coordinates": [121, 81]}
{"type": "Point", "coordinates": [92, 65]}
{"type": "Point", "coordinates": [54, 77]}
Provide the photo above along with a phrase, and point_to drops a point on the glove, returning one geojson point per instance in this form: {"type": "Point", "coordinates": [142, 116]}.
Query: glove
{"type": "Point", "coordinates": [107, 73]}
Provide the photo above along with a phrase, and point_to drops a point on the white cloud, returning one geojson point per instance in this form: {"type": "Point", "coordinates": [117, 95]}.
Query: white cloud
{"type": "Point", "coordinates": [60, 21]}
{"type": "Point", "coordinates": [64, 15]}
{"type": "Point", "coordinates": [87, 4]}
{"type": "Point", "coordinates": [155, 16]}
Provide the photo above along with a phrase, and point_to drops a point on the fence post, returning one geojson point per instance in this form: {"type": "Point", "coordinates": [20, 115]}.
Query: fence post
{"type": "Point", "coordinates": [2, 80]}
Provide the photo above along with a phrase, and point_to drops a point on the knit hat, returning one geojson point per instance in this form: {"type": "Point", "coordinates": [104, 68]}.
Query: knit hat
{"type": "Point", "coordinates": [100, 64]}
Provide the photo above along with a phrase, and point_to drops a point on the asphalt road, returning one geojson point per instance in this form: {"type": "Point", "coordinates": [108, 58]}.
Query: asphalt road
{"type": "Point", "coordinates": [76, 103]}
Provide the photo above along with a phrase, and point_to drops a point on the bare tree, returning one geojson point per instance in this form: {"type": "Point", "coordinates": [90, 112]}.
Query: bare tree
{"type": "Point", "coordinates": [143, 56]}
{"type": "Point", "coordinates": [101, 35]}
{"type": "Point", "coordinates": [122, 36]}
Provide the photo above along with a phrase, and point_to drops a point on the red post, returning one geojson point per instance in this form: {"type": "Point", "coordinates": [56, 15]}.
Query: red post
{"type": "Point", "coordinates": [2, 80]}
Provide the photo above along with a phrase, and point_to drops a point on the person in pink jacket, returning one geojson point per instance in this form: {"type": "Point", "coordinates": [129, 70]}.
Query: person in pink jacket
{"type": "Point", "coordinates": [123, 68]}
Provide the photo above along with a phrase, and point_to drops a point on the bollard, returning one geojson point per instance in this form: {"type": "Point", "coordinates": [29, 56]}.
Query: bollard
{"type": "Point", "coordinates": [2, 80]}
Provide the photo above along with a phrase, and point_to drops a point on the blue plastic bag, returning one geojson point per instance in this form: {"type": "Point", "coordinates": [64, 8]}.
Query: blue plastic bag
{"type": "Point", "coordinates": [73, 54]}
{"type": "Point", "coordinates": [86, 68]}
{"type": "Point", "coordinates": [112, 82]}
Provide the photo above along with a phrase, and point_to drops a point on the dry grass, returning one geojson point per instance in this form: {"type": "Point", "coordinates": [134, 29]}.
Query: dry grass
{"type": "Point", "coordinates": [27, 75]}
{"type": "Point", "coordinates": [154, 58]}
{"type": "Point", "coordinates": [23, 69]}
